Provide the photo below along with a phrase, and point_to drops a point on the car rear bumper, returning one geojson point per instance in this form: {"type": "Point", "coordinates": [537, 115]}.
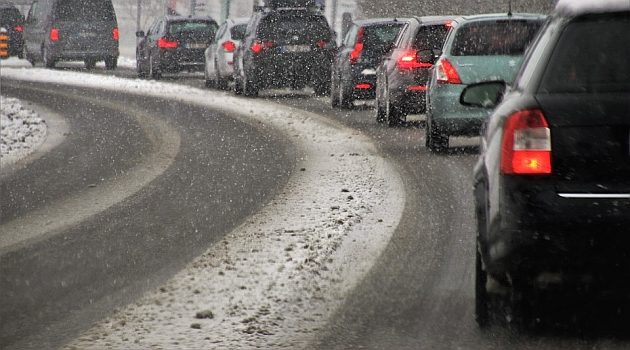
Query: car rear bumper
{"type": "Point", "coordinates": [279, 71]}
{"type": "Point", "coordinates": [567, 234]}
{"type": "Point", "coordinates": [64, 52]}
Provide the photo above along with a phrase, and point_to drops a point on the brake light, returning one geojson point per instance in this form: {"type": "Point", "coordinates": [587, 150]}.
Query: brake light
{"type": "Point", "coordinates": [19, 28]}
{"type": "Point", "coordinates": [358, 47]}
{"type": "Point", "coordinates": [409, 60]}
{"type": "Point", "coordinates": [449, 24]}
{"type": "Point", "coordinates": [322, 44]}
{"type": "Point", "coordinates": [54, 34]}
{"type": "Point", "coordinates": [526, 145]}
{"type": "Point", "coordinates": [115, 34]}
{"type": "Point", "coordinates": [363, 86]}
{"type": "Point", "coordinates": [164, 43]}
{"type": "Point", "coordinates": [446, 72]}
{"type": "Point", "coordinates": [260, 46]}
{"type": "Point", "coordinates": [229, 46]}
{"type": "Point", "coordinates": [414, 88]}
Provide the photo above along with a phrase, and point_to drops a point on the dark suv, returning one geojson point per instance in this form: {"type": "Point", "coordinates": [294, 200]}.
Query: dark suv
{"type": "Point", "coordinates": [285, 47]}
{"type": "Point", "coordinates": [72, 30]}
{"type": "Point", "coordinates": [12, 20]}
{"type": "Point", "coordinates": [174, 44]}
{"type": "Point", "coordinates": [354, 67]}
{"type": "Point", "coordinates": [552, 185]}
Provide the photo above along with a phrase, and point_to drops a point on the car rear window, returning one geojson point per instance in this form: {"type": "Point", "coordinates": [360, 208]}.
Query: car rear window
{"type": "Point", "coordinates": [492, 38]}
{"type": "Point", "coordinates": [295, 28]}
{"type": "Point", "coordinates": [207, 28]}
{"type": "Point", "coordinates": [592, 55]}
{"type": "Point", "coordinates": [238, 31]}
{"type": "Point", "coordinates": [10, 16]}
{"type": "Point", "coordinates": [378, 37]}
{"type": "Point", "coordinates": [81, 10]}
{"type": "Point", "coordinates": [431, 37]}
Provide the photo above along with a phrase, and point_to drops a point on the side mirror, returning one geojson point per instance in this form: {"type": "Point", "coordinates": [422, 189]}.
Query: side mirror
{"type": "Point", "coordinates": [140, 34]}
{"type": "Point", "coordinates": [483, 95]}
{"type": "Point", "coordinates": [427, 56]}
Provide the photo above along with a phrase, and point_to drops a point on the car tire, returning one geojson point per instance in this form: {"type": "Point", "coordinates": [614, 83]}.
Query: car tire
{"type": "Point", "coordinates": [345, 97]}
{"type": "Point", "coordinates": [322, 88]}
{"type": "Point", "coordinates": [111, 63]}
{"type": "Point", "coordinates": [482, 309]}
{"type": "Point", "coordinates": [219, 82]}
{"type": "Point", "coordinates": [249, 88]}
{"type": "Point", "coordinates": [238, 85]}
{"type": "Point", "coordinates": [380, 112]}
{"type": "Point", "coordinates": [334, 93]}
{"type": "Point", "coordinates": [140, 69]}
{"type": "Point", "coordinates": [154, 73]}
{"type": "Point", "coordinates": [49, 62]}
{"type": "Point", "coordinates": [90, 63]}
{"type": "Point", "coordinates": [393, 115]}
{"type": "Point", "coordinates": [436, 142]}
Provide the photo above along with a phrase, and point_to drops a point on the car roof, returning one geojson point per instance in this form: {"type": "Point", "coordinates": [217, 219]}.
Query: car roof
{"type": "Point", "coordinates": [435, 19]}
{"type": "Point", "coordinates": [583, 7]}
{"type": "Point", "coordinates": [375, 21]}
{"type": "Point", "coordinates": [496, 16]}
{"type": "Point", "coordinates": [184, 18]}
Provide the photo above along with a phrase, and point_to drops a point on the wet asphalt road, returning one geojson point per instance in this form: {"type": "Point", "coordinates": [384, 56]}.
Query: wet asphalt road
{"type": "Point", "coordinates": [420, 293]}
{"type": "Point", "coordinates": [53, 286]}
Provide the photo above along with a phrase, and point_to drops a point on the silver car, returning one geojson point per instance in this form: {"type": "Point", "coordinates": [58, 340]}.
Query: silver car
{"type": "Point", "coordinates": [220, 54]}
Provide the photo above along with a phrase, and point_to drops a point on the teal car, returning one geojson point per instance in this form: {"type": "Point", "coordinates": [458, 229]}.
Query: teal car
{"type": "Point", "coordinates": [479, 48]}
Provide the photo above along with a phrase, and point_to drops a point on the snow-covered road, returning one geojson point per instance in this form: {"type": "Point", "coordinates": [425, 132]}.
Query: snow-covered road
{"type": "Point", "coordinates": [277, 278]}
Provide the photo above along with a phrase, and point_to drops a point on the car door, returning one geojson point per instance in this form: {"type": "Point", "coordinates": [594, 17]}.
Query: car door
{"type": "Point", "coordinates": [342, 59]}
{"type": "Point", "coordinates": [142, 48]}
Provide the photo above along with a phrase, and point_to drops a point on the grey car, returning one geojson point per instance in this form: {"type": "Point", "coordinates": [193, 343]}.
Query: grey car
{"type": "Point", "coordinates": [72, 30]}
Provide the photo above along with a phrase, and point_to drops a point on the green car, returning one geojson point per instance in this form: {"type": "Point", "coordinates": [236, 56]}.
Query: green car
{"type": "Point", "coordinates": [479, 48]}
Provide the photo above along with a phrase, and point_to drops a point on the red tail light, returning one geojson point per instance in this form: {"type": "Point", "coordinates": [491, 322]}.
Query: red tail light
{"type": "Point", "coordinates": [229, 46]}
{"type": "Point", "coordinates": [449, 24]}
{"type": "Point", "coordinates": [322, 44]}
{"type": "Point", "coordinates": [526, 146]}
{"type": "Point", "coordinates": [409, 60]}
{"type": "Point", "coordinates": [358, 47]}
{"type": "Point", "coordinates": [260, 46]}
{"type": "Point", "coordinates": [164, 43]}
{"type": "Point", "coordinates": [54, 34]}
{"type": "Point", "coordinates": [417, 88]}
{"type": "Point", "coordinates": [116, 34]}
{"type": "Point", "coordinates": [446, 73]}
{"type": "Point", "coordinates": [19, 28]}
{"type": "Point", "coordinates": [363, 86]}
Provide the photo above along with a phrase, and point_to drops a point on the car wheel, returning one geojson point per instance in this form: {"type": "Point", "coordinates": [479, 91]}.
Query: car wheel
{"type": "Point", "coordinates": [49, 62]}
{"type": "Point", "coordinates": [140, 69]}
{"type": "Point", "coordinates": [482, 312]}
{"type": "Point", "coordinates": [154, 73]}
{"type": "Point", "coordinates": [345, 98]}
{"type": "Point", "coordinates": [111, 63]}
{"type": "Point", "coordinates": [90, 63]}
{"type": "Point", "coordinates": [322, 87]}
{"type": "Point", "coordinates": [436, 142]}
{"type": "Point", "coordinates": [249, 89]}
{"type": "Point", "coordinates": [334, 94]}
{"type": "Point", "coordinates": [393, 116]}
{"type": "Point", "coordinates": [219, 82]}
{"type": "Point", "coordinates": [380, 112]}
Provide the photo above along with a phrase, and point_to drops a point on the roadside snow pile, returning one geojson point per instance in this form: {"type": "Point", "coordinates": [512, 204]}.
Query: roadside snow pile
{"type": "Point", "coordinates": [275, 280]}
{"type": "Point", "coordinates": [21, 130]}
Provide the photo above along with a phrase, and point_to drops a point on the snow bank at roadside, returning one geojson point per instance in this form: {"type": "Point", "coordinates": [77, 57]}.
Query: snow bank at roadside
{"type": "Point", "coordinates": [21, 130]}
{"type": "Point", "coordinates": [275, 280]}
{"type": "Point", "coordinates": [14, 62]}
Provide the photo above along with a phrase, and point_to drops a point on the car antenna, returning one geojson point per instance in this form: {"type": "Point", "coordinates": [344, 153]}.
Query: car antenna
{"type": "Point", "coordinates": [509, 8]}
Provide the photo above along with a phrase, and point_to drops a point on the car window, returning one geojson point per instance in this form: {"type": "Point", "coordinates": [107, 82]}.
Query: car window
{"type": "Point", "coordinates": [205, 27]}
{"type": "Point", "coordinates": [238, 31]}
{"type": "Point", "coordinates": [80, 10]}
{"type": "Point", "coordinates": [591, 56]}
{"type": "Point", "coordinates": [350, 38]}
{"type": "Point", "coordinates": [379, 37]}
{"type": "Point", "coordinates": [297, 28]}
{"type": "Point", "coordinates": [501, 37]}
{"type": "Point", "coordinates": [430, 37]}
{"type": "Point", "coordinates": [221, 32]}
